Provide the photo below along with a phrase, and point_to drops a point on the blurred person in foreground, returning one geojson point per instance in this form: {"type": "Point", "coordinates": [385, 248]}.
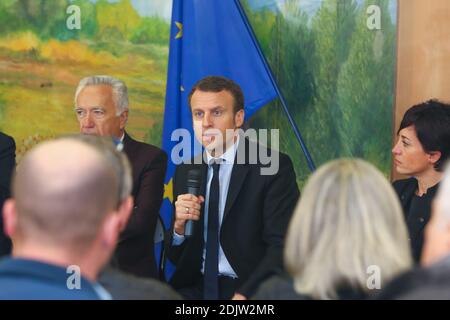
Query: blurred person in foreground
{"type": "Point", "coordinates": [422, 148]}
{"type": "Point", "coordinates": [348, 223]}
{"type": "Point", "coordinates": [121, 285]}
{"type": "Point", "coordinates": [432, 279]}
{"type": "Point", "coordinates": [64, 220]}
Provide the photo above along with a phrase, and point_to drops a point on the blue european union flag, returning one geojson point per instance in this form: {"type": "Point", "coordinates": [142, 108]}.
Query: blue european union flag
{"type": "Point", "coordinates": [208, 38]}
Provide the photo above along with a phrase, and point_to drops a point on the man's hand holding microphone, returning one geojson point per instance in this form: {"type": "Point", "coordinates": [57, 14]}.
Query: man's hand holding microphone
{"type": "Point", "coordinates": [188, 205]}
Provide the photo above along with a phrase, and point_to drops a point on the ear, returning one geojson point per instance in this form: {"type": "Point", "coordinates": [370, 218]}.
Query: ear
{"type": "Point", "coordinates": [10, 218]}
{"type": "Point", "coordinates": [125, 210]}
{"type": "Point", "coordinates": [123, 119]}
{"type": "Point", "coordinates": [239, 118]}
{"type": "Point", "coordinates": [434, 156]}
{"type": "Point", "coordinates": [110, 230]}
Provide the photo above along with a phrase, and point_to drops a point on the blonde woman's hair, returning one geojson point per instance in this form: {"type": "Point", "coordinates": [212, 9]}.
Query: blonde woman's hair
{"type": "Point", "coordinates": [348, 219]}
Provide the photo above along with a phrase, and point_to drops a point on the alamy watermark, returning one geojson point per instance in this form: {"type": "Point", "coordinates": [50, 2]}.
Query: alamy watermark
{"type": "Point", "coordinates": [374, 277]}
{"type": "Point", "coordinates": [256, 153]}
{"type": "Point", "coordinates": [373, 21]}
{"type": "Point", "coordinates": [73, 21]}
{"type": "Point", "coordinates": [73, 281]}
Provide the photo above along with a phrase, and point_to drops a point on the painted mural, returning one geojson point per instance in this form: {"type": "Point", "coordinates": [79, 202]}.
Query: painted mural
{"type": "Point", "coordinates": [334, 61]}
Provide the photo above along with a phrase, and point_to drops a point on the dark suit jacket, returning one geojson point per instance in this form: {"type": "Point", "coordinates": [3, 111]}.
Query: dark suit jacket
{"type": "Point", "coordinates": [7, 164]}
{"type": "Point", "coordinates": [281, 287]}
{"type": "Point", "coordinates": [431, 283]}
{"type": "Point", "coordinates": [135, 250]}
{"type": "Point", "coordinates": [278, 287]}
{"type": "Point", "coordinates": [416, 224]}
{"type": "Point", "coordinates": [123, 286]}
{"type": "Point", "coordinates": [257, 213]}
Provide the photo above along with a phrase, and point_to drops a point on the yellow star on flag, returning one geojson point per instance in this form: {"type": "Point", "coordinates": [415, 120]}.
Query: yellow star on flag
{"type": "Point", "coordinates": [168, 191]}
{"type": "Point", "coordinates": [180, 27]}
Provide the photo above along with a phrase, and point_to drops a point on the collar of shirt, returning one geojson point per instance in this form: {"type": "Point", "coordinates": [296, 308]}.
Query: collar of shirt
{"type": "Point", "coordinates": [102, 293]}
{"type": "Point", "coordinates": [228, 156]}
{"type": "Point", "coordinates": [119, 142]}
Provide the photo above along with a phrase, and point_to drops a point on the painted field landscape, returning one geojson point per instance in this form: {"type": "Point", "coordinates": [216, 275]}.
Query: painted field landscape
{"type": "Point", "coordinates": [336, 73]}
{"type": "Point", "coordinates": [42, 60]}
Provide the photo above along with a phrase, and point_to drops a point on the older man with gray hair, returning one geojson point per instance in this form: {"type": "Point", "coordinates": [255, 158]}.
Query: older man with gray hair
{"type": "Point", "coordinates": [101, 106]}
{"type": "Point", "coordinates": [70, 202]}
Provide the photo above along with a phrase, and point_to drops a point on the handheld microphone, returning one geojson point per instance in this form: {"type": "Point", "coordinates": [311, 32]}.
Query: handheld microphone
{"type": "Point", "coordinates": [194, 177]}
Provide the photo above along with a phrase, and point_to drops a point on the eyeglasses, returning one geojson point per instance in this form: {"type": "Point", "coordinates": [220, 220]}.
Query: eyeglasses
{"type": "Point", "coordinates": [98, 113]}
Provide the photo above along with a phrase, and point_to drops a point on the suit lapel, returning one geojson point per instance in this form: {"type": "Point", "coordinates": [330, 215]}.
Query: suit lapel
{"type": "Point", "coordinates": [238, 175]}
{"type": "Point", "coordinates": [127, 142]}
{"type": "Point", "coordinates": [129, 148]}
{"type": "Point", "coordinates": [236, 181]}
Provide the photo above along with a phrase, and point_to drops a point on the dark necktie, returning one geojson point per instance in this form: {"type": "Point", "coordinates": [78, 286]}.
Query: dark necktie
{"type": "Point", "coordinates": [211, 281]}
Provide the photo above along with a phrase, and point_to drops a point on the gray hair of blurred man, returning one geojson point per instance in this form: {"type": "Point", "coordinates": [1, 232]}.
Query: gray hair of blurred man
{"type": "Point", "coordinates": [347, 220]}
{"type": "Point", "coordinates": [66, 187]}
{"type": "Point", "coordinates": [119, 89]}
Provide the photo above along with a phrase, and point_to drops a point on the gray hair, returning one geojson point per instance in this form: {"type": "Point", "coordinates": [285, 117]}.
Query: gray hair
{"type": "Point", "coordinates": [119, 89]}
{"type": "Point", "coordinates": [348, 220]}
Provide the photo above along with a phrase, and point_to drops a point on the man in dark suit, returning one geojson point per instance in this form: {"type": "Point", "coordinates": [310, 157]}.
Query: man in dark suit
{"type": "Point", "coordinates": [242, 212]}
{"type": "Point", "coordinates": [7, 164]}
{"type": "Point", "coordinates": [102, 109]}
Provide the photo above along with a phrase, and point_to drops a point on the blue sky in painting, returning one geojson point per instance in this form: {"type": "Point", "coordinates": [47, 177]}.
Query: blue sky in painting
{"type": "Point", "coordinates": [147, 8]}
{"type": "Point", "coordinates": [310, 6]}
{"type": "Point", "coordinates": [163, 8]}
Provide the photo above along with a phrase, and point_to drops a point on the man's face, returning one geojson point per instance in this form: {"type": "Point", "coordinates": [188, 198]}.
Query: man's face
{"type": "Point", "coordinates": [212, 114]}
{"type": "Point", "coordinates": [409, 155]}
{"type": "Point", "coordinates": [96, 112]}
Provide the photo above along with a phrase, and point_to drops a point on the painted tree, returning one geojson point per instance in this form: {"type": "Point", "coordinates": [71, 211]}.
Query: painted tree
{"type": "Point", "coordinates": [116, 20]}
{"type": "Point", "coordinates": [365, 89]}
{"type": "Point", "coordinates": [333, 27]}
{"type": "Point", "coordinates": [290, 48]}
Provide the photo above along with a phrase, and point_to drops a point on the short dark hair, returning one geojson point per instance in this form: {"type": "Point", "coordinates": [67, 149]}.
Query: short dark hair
{"type": "Point", "coordinates": [218, 84]}
{"type": "Point", "coordinates": [431, 120]}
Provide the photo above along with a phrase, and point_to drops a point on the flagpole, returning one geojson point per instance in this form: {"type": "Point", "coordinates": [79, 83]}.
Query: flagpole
{"type": "Point", "coordinates": [309, 160]}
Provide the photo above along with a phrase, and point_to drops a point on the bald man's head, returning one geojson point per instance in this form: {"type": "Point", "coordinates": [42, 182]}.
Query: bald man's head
{"type": "Point", "coordinates": [63, 190]}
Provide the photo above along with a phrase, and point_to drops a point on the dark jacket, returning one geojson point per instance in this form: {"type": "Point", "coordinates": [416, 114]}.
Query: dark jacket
{"type": "Point", "coordinates": [124, 286]}
{"type": "Point", "coordinates": [135, 250]}
{"type": "Point", "coordinates": [431, 283]}
{"type": "Point", "coordinates": [278, 288]}
{"type": "Point", "coordinates": [417, 215]}
{"type": "Point", "coordinates": [257, 212]}
{"type": "Point", "coordinates": [281, 287]}
{"type": "Point", "coordinates": [7, 165]}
